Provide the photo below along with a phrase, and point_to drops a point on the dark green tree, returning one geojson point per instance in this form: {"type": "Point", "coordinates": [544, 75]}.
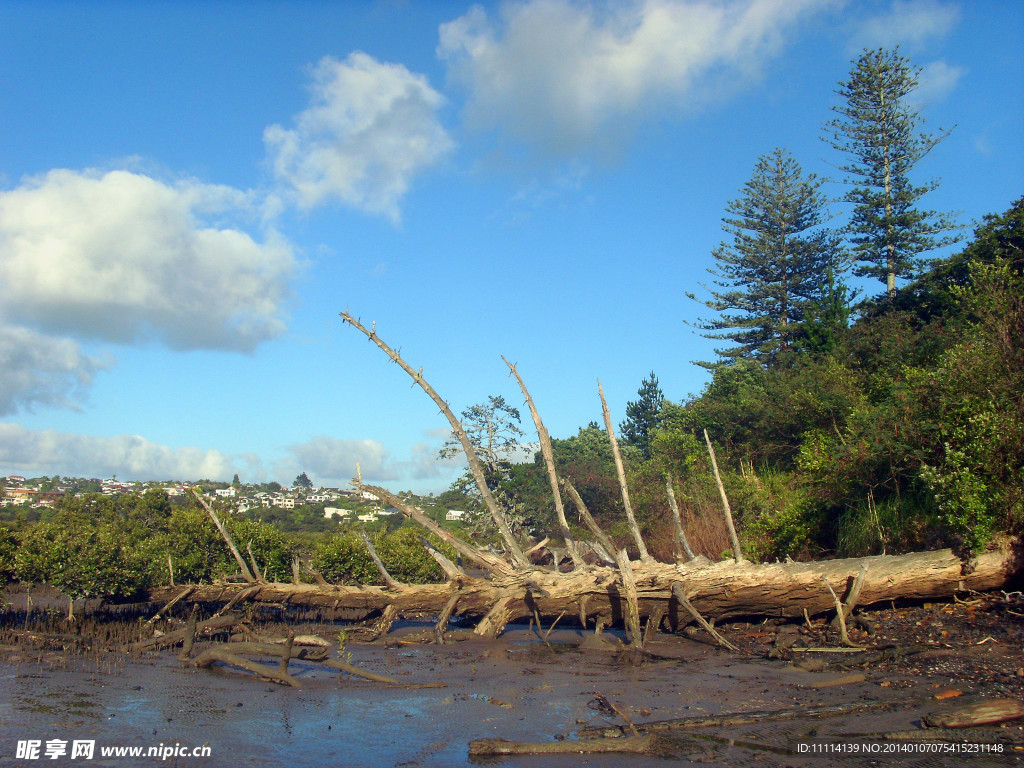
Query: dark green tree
{"type": "Point", "coordinates": [878, 128]}
{"type": "Point", "coordinates": [776, 263]}
{"type": "Point", "coordinates": [303, 481]}
{"type": "Point", "coordinates": [643, 416]}
{"type": "Point", "coordinates": [827, 318]}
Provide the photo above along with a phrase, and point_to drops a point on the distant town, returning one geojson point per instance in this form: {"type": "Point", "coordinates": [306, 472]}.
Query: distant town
{"type": "Point", "coordinates": [262, 500]}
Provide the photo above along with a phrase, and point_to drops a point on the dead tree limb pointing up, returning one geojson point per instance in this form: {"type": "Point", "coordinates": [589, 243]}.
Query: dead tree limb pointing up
{"type": "Point", "coordinates": [549, 461]}
{"type": "Point", "coordinates": [227, 537]}
{"type": "Point", "coordinates": [633, 527]}
{"type": "Point", "coordinates": [474, 462]}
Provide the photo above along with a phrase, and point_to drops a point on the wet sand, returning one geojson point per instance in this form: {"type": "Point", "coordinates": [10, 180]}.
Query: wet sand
{"type": "Point", "coordinates": [517, 688]}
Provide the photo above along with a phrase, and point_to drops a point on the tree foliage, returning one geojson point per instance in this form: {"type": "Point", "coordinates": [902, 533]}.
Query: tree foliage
{"type": "Point", "coordinates": [771, 272]}
{"type": "Point", "coordinates": [877, 127]}
{"type": "Point", "coordinates": [643, 416]}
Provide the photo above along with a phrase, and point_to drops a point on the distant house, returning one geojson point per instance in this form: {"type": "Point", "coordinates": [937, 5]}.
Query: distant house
{"type": "Point", "coordinates": [336, 512]}
{"type": "Point", "coordinates": [229, 493]}
{"type": "Point", "coordinates": [368, 518]}
{"type": "Point", "coordinates": [454, 514]}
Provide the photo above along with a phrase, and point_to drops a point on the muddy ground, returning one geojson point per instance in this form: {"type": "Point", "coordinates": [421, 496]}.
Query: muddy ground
{"type": "Point", "coordinates": [921, 659]}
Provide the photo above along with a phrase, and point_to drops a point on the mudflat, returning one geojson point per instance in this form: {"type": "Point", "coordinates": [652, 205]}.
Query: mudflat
{"type": "Point", "coordinates": [808, 707]}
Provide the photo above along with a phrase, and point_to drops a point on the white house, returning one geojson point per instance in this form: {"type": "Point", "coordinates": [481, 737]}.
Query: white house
{"type": "Point", "coordinates": [368, 518]}
{"type": "Point", "coordinates": [454, 514]}
{"type": "Point", "coordinates": [336, 512]}
{"type": "Point", "coordinates": [228, 493]}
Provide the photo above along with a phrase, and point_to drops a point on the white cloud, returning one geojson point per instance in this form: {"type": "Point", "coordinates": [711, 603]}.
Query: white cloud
{"type": "Point", "coordinates": [936, 81]}
{"type": "Point", "coordinates": [120, 256]}
{"type": "Point", "coordinates": [130, 457]}
{"type": "Point", "coordinates": [564, 76]}
{"type": "Point", "coordinates": [42, 370]}
{"type": "Point", "coordinates": [371, 127]}
{"type": "Point", "coordinates": [908, 22]}
{"type": "Point", "coordinates": [330, 459]}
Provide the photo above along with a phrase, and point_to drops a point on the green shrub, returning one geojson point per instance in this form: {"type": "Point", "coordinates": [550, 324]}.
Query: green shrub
{"type": "Point", "coordinates": [272, 551]}
{"type": "Point", "coordinates": [343, 559]}
{"type": "Point", "coordinates": [8, 550]}
{"type": "Point", "coordinates": [82, 561]}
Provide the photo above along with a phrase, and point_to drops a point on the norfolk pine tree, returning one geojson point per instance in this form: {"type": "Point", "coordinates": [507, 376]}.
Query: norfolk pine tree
{"type": "Point", "coordinates": [643, 416]}
{"type": "Point", "coordinates": [776, 264]}
{"type": "Point", "coordinates": [877, 128]}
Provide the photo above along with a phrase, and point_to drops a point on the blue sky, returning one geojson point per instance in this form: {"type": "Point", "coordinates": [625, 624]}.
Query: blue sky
{"type": "Point", "coordinates": [191, 192]}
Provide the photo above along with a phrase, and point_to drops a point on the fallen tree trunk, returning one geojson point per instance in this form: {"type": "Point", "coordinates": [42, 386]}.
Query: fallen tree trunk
{"type": "Point", "coordinates": [717, 590]}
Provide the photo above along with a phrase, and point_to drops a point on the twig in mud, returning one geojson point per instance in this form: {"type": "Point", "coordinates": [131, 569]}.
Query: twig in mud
{"type": "Point", "coordinates": [680, 595]}
{"type": "Point", "coordinates": [181, 596]}
{"type": "Point", "coordinates": [553, 624]}
{"type": "Point", "coordinates": [840, 615]}
{"type": "Point", "coordinates": [490, 747]}
{"type": "Point", "coordinates": [739, 718]}
{"type": "Point", "coordinates": [603, 701]}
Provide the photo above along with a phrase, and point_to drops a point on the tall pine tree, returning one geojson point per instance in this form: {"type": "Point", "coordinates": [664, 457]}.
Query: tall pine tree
{"type": "Point", "coordinates": [643, 416]}
{"type": "Point", "coordinates": [776, 264]}
{"type": "Point", "coordinates": [877, 127]}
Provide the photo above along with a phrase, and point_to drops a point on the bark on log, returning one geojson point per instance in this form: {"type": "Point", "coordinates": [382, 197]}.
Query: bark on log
{"type": "Point", "coordinates": [718, 591]}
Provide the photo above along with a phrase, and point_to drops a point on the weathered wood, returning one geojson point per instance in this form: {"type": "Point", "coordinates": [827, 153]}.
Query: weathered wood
{"type": "Point", "coordinates": [602, 539]}
{"type": "Point", "coordinates": [631, 744]}
{"type": "Point", "coordinates": [621, 472]}
{"type": "Point", "coordinates": [252, 559]}
{"type": "Point", "coordinates": [727, 510]}
{"type": "Point", "coordinates": [681, 539]}
{"type": "Point", "coordinates": [632, 619]}
{"type": "Point", "coordinates": [718, 591]}
{"type": "Point", "coordinates": [178, 636]}
{"type": "Point", "coordinates": [680, 595]}
{"type": "Point", "coordinates": [387, 618]}
{"type": "Point", "coordinates": [388, 579]}
{"type": "Point", "coordinates": [344, 666]}
{"type": "Point", "coordinates": [219, 653]}
{"type": "Point", "coordinates": [493, 624]}
{"type": "Point", "coordinates": [190, 634]}
{"type": "Point", "coordinates": [451, 570]}
{"type": "Point", "coordinates": [843, 635]}
{"type": "Point", "coordinates": [549, 463]}
{"type": "Point", "coordinates": [738, 718]}
{"type": "Point", "coordinates": [497, 514]}
{"type": "Point", "coordinates": [853, 595]}
{"type": "Point", "coordinates": [483, 559]}
{"type": "Point", "coordinates": [160, 614]}
{"type": "Point", "coordinates": [227, 536]}
{"type": "Point", "coordinates": [982, 713]}
{"type": "Point", "coordinates": [444, 616]}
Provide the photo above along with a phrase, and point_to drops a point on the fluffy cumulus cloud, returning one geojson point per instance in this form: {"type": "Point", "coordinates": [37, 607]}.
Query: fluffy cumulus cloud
{"type": "Point", "coordinates": [128, 456]}
{"type": "Point", "coordinates": [562, 76]}
{"type": "Point", "coordinates": [938, 79]}
{"type": "Point", "coordinates": [42, 370]}
{"type": "Point", "coordinates": [907, 22]}
{"type": "Point", "coordinates": [121, 257]}
{"type": "Point", "coordinates": [371, 127]}
{"type": "Point", "coordinates": [332, 460]}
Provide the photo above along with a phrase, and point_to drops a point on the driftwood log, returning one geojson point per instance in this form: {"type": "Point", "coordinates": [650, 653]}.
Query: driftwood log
{"type": "Point", "coordinates": [718, 591]}
{"type": "Point", "coordinates": [637, 595]}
